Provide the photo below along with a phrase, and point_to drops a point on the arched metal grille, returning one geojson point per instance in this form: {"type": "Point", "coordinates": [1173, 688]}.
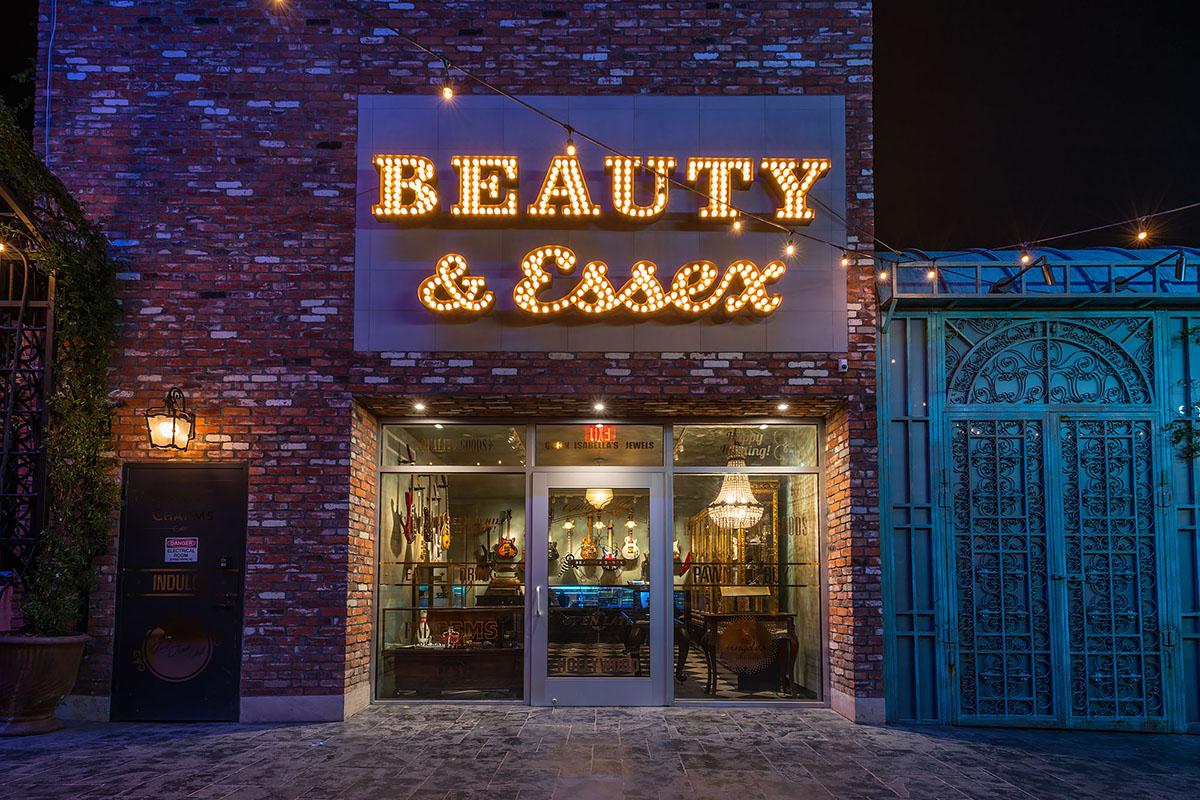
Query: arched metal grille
{"type": "Point", "coordinates": [26, 348]}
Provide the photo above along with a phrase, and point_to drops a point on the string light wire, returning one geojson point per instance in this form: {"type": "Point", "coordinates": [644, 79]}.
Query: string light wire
{"type": "Point", "coordinates": [380, 22]}
{"type": "Point", "coordinates": [1028, 245]}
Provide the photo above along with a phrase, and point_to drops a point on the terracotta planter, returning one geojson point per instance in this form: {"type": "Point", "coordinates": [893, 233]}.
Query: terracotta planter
{"type": "Point", "coordinates": [36, 673]}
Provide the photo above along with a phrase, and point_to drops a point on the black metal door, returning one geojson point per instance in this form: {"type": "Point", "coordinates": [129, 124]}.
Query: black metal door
{"type": "Point", "coordinates": [178, 644]}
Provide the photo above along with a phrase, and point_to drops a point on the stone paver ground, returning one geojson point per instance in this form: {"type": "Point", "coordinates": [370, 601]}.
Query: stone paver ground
{"type": "Point", "coordinates": [475, 752]}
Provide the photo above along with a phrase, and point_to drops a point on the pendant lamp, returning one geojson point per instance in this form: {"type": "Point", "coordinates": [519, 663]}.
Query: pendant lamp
{"type": "Point", "coordinates": [599, 498]}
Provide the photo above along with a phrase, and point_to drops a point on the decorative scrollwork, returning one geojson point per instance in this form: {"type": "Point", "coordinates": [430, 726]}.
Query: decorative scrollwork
{"type": "Point", "coordinates": [999, 526]}
{"type": "Point", "coordinates": [1112, 590]}
{"type": "Point", "coordinates": [1099, 361]}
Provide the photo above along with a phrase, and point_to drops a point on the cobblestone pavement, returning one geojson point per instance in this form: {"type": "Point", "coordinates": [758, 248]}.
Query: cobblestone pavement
{"type": "Point", "coordinates": [475, 752]}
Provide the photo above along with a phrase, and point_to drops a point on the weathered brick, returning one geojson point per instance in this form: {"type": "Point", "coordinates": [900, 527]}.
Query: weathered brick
{"type": "Point", "coordinates": [238, 233]}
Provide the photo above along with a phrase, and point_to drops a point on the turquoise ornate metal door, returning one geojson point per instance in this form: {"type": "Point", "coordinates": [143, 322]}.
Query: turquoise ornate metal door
{"type": "Point", "coordinates": [1054, 574]}
{"type": "Point", "coordinates": [1112, 573]}
{"type": "Point", "coordinates": [1004, 669]}
{"type": "Point", "coordinates": [1042, 447]}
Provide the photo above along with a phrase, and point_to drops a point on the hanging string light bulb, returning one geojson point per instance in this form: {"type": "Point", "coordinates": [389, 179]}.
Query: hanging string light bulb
{"type": "Point", "coordinates": [845, 259]}
{"type": "Point", "coordinates": [790, 249]}
{"type": "Point", "coordinates": [447, 86]}
{"type": "Point", "coordinates": [570, 150]}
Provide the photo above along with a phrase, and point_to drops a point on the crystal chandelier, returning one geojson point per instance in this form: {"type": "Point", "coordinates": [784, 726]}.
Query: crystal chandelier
{"type": "Point", "coordinates": [734, 507]}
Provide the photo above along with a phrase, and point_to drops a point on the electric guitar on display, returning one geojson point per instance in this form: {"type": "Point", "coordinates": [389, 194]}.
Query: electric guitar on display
{"type": "Point", "coordinates": [611, 558]}
{"type": "Point", "coordinates": [630, 551]}
{"type": "Point", "coordinates": [507, 548]}
{"type": "Point", "coordinates": [589, 548]}
{"type": "Point", "coordinates": [567, 562]}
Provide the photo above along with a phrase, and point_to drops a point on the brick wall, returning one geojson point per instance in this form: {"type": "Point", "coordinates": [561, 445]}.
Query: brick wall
{"type": "Point", "coordinates": [364, 493]}
{"type": "Point", "coordinates": [215, 141]}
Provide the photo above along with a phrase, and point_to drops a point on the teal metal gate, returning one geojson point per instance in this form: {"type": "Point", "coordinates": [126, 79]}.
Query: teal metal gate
{"type": "Point", "coordinates": [1041, 527]}
{"type": "Point", "coordinates": [1004, 663]}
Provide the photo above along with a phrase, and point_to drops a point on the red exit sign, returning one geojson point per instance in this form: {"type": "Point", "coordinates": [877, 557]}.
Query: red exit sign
{"type": "Point", "coordinates": [600, 434]}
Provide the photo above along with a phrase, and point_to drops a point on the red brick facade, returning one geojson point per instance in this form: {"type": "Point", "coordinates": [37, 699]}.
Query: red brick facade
{"type": "Point", "coordinates": [215, 141]}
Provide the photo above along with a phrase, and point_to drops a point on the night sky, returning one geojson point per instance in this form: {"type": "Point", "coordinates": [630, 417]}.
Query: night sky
{"type": "Point", "coordinates": [995, 122]}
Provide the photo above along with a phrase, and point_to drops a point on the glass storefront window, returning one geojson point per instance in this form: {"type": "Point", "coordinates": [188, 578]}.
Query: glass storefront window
{"type": "Point", "coordinates": [599, 587]}
{"type": "Point", "coordinates": [438, 445]}
{"type": "Point", "coordinates": [750, 626]}
{"type": "Point", "coordinates": [745, 532]}
{"type": "Point", "coordinates": [451, 586]}
{"type": "Point", "coordinates": [599, 445]}
{"type": "Point", "coordinates": [763, 445]}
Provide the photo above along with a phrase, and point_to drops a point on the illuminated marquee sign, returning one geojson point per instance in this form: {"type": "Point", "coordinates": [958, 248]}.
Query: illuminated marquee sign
{"type": "Point", "coordinates": [487, 191]}
{"type": "Point", "coordinates": [480, 227]}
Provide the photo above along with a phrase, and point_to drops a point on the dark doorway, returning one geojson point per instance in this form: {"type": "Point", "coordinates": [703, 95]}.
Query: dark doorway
{"type": "Point", "coordinates": [178, 644]}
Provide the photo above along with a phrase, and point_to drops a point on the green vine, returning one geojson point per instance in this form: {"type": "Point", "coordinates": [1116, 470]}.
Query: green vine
{"type": "Point", "coordinates": [1185, 438]}
{"type": "Point", "coordinates": [81, 489]}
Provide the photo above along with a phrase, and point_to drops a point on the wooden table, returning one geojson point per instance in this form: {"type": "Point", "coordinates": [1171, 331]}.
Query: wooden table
{"type": "Point", "coordinates": [781, 628]}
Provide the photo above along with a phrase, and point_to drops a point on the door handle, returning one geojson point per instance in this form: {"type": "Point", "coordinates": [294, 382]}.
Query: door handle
{"type": "Point", "coordinates": [537, 600]}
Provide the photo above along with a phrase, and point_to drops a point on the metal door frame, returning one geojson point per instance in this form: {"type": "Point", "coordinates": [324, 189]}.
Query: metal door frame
{"type": "Point", "coordinates": [1055, 565]}
{"type": "Point", "coordinates": [238, 644]}
{"type": "Point", "coordinates": [949, 588]}
{"type": "Point", "coordinates": [1170, 677]}
{"type": "Point", "coordinates": [652, 690]}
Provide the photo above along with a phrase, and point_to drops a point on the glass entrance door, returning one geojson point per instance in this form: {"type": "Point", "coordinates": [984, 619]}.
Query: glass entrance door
{"type": "Point", "coordinates": [599, 573]}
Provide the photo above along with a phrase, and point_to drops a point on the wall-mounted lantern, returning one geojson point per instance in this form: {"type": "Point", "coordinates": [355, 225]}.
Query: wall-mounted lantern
{"type": "Point", "coordinates": [173, 426]}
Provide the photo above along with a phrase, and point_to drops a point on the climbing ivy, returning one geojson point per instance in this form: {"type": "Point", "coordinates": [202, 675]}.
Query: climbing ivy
{"type": "Point", "coordinates": [1185, 438]}
{"type": "Point", "coordinates": [81, 488]}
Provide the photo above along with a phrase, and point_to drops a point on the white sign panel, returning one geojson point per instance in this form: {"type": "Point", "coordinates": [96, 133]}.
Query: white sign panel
{"type": "Point", "coordinates": [181, 549]}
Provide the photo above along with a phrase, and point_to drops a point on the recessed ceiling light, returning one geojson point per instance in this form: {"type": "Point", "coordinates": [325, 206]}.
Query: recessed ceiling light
{"type": "Point", "coordinates": [437, 425]}
{"type": "Point", "coordinates": [418, 406]}
{"type": "Point", "coordinates": [597, 406]}
{"type": "Point", "coordinates": [762, 427]}
{"type": "Point", "coordinates": [782, 407]}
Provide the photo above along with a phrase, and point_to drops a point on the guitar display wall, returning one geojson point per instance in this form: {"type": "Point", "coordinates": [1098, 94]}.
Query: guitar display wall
{"type": "Point", "coordinates": [452, 550]}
